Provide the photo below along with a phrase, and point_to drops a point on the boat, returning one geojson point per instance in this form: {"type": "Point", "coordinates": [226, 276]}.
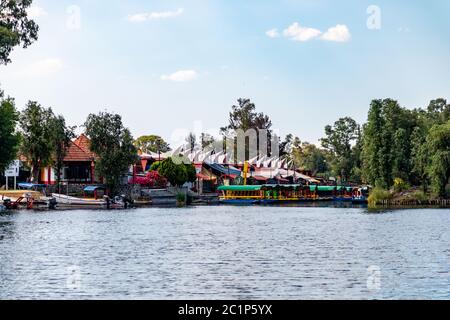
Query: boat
{"type": "Point", "coordinates": [264, 194]}
{"type": "Point", "coordinates": [361, 195]}
{"type": "Point", "coordinates": [62, 199]}
{"type": "Point", "coordinates": [65, 201]}
{"type": "Point", "coordinates": [288, 193]}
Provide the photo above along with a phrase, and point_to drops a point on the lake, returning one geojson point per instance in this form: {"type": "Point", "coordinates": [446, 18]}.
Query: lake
{"type": "Point", "coordinates": [226, 253]}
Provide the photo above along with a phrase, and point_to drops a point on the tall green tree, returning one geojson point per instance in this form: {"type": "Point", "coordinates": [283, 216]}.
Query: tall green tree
{"type": "Point", "coordinates": [309, 157]}
{"type": "Point", "coordinates": [438, 111]}
{"type": "Point", "coordinates": [244, 116]}
{"type": "Point", "coordinates": [207, 140]}
{"type": "Point", "coordinates": [438, 142]}
{"type": "Point", "coordinates": [191, 140]}
{"type": "Point", "coordinates": [420, 157]}
{"type": "Point", "coordinates": [62, 136]}
{"type": "Point", "coordinates": [152, 143]}
{"type": "Point", "coordinates": [9, 137]}
{"type": "Point", "coordinates": [113, 144]}
{"type": "Point", "coordinates": [36, 123]}
{"type": "Point", "coordinates": [15, 27]}
{"type": "Point", "coordinates": [387, 143]}
{"type": "Point", "coordinates": [338, 141]}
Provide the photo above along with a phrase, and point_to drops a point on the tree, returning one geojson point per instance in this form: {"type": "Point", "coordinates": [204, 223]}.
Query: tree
{"type": "Point", "coordinates": [439, 111]}
{"type": "Point", "coordinates": [207, 140]}
{"type": "Point", "coordinates": [309, 157]}
{"type": "Point", "coordinates": [338, 141]}
{"type": "Point", "coordinates": [286, 146]}
{"type": "Point", "coordinates": [438, 142]}
{"type": "Point", "coordinates": [15, 27]}
{"type": "Point", "coordinates": [37, 145]}
{"type": "Point", "coordinates": [9, 138]}
{"type": "Point", "coordinates": [152, 143]}
{"type": "Point", "coordinates": [244, 117]}
{"type": "Point", "coordinates": [177, 174]}
{"type": "Point", "coordinates": [191, 140]}
{"type": "Point", "coordinates": [113, 144]}
{"type": "Point", "coordinates": [420, 157]}
{"type": "Point", "coordinates": [372, 142]}
{"type": "Point", "coordinates": [387, 143]}
{"type": "Point", "coordinates": [62, 136]}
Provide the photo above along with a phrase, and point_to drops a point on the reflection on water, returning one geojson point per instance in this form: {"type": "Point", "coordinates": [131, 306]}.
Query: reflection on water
{"type": "Point", "coordinates": [226, 253]}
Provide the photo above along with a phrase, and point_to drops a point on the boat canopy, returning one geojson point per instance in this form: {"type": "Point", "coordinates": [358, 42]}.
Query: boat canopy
{"type": "Point", "coordinates": [260, 187]}
{"type": "Point", "coordinates": [281, 186]}
{"type": "Point", "coordinates": [240, 188]}
{"type": "Point", "coordinates": [329, 188]}
{"type": "Point", "coordinates": [93, 188]}
{"type": "Point", "coordinates": [29, 186]}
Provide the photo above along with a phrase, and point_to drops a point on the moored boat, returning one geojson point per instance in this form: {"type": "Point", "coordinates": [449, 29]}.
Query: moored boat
{"type": "Point", "coordinates": [264, 194]}
{"type": "Point", "coordinates": [65, 201]}
{"type": "Point", "coordinates": [68, 200]}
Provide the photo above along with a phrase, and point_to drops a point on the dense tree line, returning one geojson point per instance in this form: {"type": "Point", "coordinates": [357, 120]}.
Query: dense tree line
{"type": "Point", "coordinates": [413, 145]}
{"type": "Point", "coordinates": [395, 145]}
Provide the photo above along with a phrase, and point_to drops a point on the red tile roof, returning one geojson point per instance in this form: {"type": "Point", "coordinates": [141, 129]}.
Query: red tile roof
{"type": "Point", "coordinates": [84, 143]}
{"type": "Point", "coordinates": [76, 153]}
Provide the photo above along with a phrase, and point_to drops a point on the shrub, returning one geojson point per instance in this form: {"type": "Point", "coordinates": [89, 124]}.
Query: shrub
{"type": "Point", "coordinates": [378, 194]}
{"type": "Point", "coordinates": [419, 195]}
{"type": "Point", "coordinates": [400, 185]}
{"type": "Point", "coordinates": [151, 179]}
{"type": "Point", "coordinates": [181, 198]}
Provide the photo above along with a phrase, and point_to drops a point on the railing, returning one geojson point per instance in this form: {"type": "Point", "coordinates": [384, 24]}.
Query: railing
{"type": "Point", "coordinates": [445, 203]}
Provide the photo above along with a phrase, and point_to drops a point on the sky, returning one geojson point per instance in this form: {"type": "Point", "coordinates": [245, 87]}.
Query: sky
{"type": "Point", "coordinates": [170, 67]}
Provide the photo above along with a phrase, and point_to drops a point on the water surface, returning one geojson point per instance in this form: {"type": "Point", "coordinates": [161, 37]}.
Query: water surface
{"type": "Point", "coordinates": [226, 253]}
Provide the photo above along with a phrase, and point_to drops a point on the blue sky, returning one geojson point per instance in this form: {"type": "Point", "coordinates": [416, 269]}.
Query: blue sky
{"type": "Point", "coordinates": [167, 65]}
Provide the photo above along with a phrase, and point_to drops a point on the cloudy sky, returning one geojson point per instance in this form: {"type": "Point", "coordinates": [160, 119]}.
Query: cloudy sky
{"type": "Point", "coordinates": [174, 66]}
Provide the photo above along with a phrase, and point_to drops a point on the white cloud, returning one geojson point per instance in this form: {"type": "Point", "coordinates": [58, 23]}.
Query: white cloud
{"type": "Point", "coordinates": [299, 33]}
{"type": "Point", "coordinates": [273, 33]}
{"type": "Point", "coordinates": [42, 68]}
{"type": "Point", "coordinates": [36, 12]}
{"type": "Point", "coordinates": [141, 17]}
{"type": "Point", "coordinates": [339, 33]}
{"type": "Point", "coordinates": [181, 76]}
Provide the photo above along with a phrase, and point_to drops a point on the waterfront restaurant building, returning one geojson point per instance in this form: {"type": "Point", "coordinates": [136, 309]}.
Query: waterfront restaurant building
{"type": "Point", "coordinates": [79, 165]}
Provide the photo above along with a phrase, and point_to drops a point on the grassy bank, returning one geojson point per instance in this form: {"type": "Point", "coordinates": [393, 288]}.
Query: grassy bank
{"type": "Point", "coordinates": [404, 197]}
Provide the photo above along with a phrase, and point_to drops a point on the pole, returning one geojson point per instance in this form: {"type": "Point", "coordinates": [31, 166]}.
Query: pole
{"type": "Point", "coordinates": [7, 180]}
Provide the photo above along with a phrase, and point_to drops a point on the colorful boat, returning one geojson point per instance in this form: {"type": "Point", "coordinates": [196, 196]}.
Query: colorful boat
{"type": "Point", "coordinates": [285, 193]}
{"type": "Point", "coordinates": [264, 194]}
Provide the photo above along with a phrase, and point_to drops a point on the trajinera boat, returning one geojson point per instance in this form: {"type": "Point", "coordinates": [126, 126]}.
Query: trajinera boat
{"type": "Point", "coordinates": [272, 194]}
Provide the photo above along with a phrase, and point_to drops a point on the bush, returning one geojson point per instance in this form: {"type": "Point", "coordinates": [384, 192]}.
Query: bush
{"type": "Point", "coordinates": [400, 185]}
{"type": "Point", "coordinates": [151, 179]}
{"type": "Point", "coordinates": [181, 199]}
{"type": "Point", "coordinates": [378, 194]}
{"type": "Point", "coordinates": [419, 195]}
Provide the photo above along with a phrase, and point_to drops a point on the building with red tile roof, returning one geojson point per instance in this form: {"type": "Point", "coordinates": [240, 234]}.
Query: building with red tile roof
{"type": "Point", "coordinates": [79, 164]}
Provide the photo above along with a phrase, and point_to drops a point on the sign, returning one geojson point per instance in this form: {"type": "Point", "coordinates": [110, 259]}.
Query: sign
{"type": "Point", "coordinates": [13, 170]}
